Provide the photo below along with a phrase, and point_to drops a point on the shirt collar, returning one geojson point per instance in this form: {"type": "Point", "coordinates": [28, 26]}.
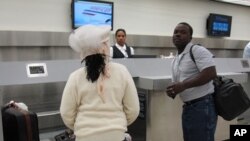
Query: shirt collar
{"type": "Point", "coordinates": [122, 47]}
{"type": "Point", "coordinates": [187, 48]}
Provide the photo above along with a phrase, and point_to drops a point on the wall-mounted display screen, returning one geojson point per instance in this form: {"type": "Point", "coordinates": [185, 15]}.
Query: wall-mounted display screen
{"type": "Point", "coordinates": [91, 12]}
{"type": "Point", "coordinates": [219, 25]}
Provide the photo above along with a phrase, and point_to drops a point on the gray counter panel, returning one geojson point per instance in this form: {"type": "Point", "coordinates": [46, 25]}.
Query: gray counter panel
{"type": "Point", "coordinates": [152, 75]}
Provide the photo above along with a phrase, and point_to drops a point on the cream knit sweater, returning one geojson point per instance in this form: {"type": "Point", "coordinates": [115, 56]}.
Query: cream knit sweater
{"type": "Point", "coordinates": [83, 110]}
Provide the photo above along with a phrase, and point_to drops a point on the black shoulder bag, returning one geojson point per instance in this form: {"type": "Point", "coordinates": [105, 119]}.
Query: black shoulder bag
{"type": "Point", "coordinates": [230, 98]}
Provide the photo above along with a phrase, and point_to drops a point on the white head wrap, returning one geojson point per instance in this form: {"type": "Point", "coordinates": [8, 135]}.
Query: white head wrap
{"type": "Point", "coordinates": [88, 39]}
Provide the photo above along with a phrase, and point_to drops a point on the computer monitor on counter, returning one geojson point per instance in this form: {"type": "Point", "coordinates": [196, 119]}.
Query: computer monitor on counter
{"type": "Point", "coordinates": [143, 56]}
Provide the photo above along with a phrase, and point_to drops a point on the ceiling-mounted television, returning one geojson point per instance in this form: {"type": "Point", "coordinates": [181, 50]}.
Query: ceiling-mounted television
{"type": "Point", "coordinates": [219, 25]}
{"type": "Point", "coordinates": [91, 12]}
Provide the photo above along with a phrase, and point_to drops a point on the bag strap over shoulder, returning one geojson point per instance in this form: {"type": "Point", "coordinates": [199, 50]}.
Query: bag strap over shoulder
{"type": "Point", "coordinates": [191, 53]}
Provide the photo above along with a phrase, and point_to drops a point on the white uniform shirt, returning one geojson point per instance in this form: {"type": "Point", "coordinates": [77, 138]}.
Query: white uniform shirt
{"type": "Point", "coordinates": [183, 68]}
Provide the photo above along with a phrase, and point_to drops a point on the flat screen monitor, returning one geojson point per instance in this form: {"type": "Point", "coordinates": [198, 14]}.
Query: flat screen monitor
{"type": "Point", "coordinates": [143, 56]}
{"type": "Point", "coordinates": [219, 25]}
{"type": "Point", "coordinates": [91, 12]}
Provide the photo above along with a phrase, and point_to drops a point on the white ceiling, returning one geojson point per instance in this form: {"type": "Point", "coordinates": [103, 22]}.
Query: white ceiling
{"type": "Point", "coordinates": [240, 2]}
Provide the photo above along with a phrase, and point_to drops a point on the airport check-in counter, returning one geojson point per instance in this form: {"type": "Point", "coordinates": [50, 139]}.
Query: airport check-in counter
{"type": "Point", "coordinates": [163, 114]}
{"type": "Point", "coordinates": [40, 85]}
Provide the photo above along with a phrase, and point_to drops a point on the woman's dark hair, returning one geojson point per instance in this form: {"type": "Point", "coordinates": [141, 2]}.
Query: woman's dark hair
{"type": "Point", "coordinates": [120, 29]}
{"type": "Point", "coordinates": [95, 65]}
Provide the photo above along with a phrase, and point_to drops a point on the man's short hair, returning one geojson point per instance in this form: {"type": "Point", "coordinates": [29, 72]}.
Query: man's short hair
{"type": "Point", "coordinates": [189, 26]}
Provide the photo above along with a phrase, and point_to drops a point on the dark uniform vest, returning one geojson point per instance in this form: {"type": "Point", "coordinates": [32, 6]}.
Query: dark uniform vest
{"type": "Point", "coordinates": [118, 54]}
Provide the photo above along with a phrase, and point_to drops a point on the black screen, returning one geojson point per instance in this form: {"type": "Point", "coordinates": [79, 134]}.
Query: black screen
{"type": "Point", "coordinates": [219, 25]}
{"type": "Point", "coordinates": [36, 69]}
{"type": "Point", "coordinates": [143, 56]}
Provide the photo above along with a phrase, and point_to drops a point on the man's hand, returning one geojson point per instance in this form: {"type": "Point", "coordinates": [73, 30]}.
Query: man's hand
{"type": "Point", "coordinates": [175, 88]}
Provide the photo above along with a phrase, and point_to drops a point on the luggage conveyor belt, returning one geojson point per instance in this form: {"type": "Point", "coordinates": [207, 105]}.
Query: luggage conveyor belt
{"type": "Point", "coordinates": [38, 84]}
{"type": "Point", "coordinates": [49, 136]}
{"type": "Point", "coordinates": [54, 117]}
{"type": "Point", "coordinates": [44, 99]}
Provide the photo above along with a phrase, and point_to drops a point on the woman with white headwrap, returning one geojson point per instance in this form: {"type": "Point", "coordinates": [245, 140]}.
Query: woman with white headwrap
{"type": "Point", "coordinates": [100, 99]}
